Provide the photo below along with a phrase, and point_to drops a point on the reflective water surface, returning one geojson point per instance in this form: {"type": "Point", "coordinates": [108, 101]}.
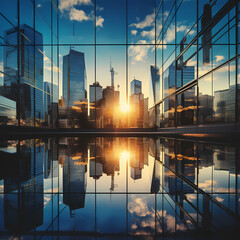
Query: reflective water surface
{"type": "Point", "coordinates": [118, 188]}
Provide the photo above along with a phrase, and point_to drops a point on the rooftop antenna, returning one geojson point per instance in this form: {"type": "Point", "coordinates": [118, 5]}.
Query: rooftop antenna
{"type": "Point", "coordinates": [112, 74]}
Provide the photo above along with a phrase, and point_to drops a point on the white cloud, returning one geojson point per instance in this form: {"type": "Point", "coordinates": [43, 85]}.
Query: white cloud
{"type": "Point", "coordinates": [66, 5]}
{"type": "Point", "coordinates": [139, 207]}
{"type": "Point", "coordinates": [147, 22]}
{"type": "Point", "coordinates": [169, 35]}
{"type": "Point", "coordinates": [99, 21]}
{"type": "Point", "coordinates": [99, 8]}
{"type": "Point", "coordinates": [150, 34]}
{"type": "Point", "coordinates": [219, 199]}
{"type": "Point", "coordinates": [219, 58]}
{"type": "Point", "coordinates": [134, 32]}
{"type": "Point", "coordinates": [139, 52]}
{"type": "Point", "coordinates": [78, 15]}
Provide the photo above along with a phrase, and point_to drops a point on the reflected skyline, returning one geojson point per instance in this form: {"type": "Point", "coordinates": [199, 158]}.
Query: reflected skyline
{"type": "Point", "coordinates": [166, 187]}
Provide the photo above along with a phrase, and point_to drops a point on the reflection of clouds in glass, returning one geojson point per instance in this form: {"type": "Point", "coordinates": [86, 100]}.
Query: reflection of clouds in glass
{"type": "Point", "coordinates": [191, 197]}
{"type": "Point", "coordinates": [147, 22]}
{"type": "Point", "coordinates": [139, 207]}
{"type": "Point", "coordinates": [206, 185]}
{"type": "Point", "coordinates": [219, 199]}
{"type": "Point", "coordinates": [66, 5]}
{"type": "Point", "coordinates": [134, 32]}
{"type": "Point", "coordinates": [144, 223]}
{"type": "Point", "coordinates": [99, 21]}
{"type": "Point", "coordinates": [139, 52]}
{"type": "Point", "coordinates": [79, 15]}
{"type": "Point", "coordinates": [219, 58]}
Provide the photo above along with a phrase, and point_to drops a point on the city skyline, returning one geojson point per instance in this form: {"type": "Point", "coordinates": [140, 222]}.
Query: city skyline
{"type": "Point", "coordinates": [184, 64]}
{"type": "Point", "coordinates": [119, 119]}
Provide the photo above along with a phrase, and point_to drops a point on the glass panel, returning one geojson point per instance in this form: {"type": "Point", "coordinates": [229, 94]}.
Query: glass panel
{"type": "Point", "coordinates": [77, 22]}
{"type": "Point", "coordinates": [187, 107]}
{"type": "Point", "coordinates": [141, 21]}
{"type": "Point", "coordinates": [169, 111]}
{"type": "Point", "coordinates": [224, 94]}
{"type": "Point", "coordinates": [111, 21]}
{"type": "Point", "coordinates": [112, 108]}
{"type": "Point", "coordinates": [205, 98]}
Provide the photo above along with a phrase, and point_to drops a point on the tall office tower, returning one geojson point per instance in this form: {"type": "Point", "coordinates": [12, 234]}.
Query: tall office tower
{"type": "Point", "coordinates": [94, 88]}
{"type": "Point", "coordinates": [28, 97]}
{"type": "Point", "coordinates": [74, 78]}
{"type": "Point", "coordinates": [136, 161]}
{"type": "Point", "coordinates": [138, 105]}
{"type": "Point", "coordinates": [207, 35]}
{"type": "Point", "coordinates": [154, 77]}
{"type": "Point", "coordinates": [74, 183]}
{"type": "Point", "coordinates": [136, 87]}
{"type": "Point", "coordinates": [23, 193]}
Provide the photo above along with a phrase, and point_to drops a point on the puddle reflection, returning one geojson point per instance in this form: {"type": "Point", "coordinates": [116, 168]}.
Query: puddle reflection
{"type": "Point", "coordinates": [126, 188]}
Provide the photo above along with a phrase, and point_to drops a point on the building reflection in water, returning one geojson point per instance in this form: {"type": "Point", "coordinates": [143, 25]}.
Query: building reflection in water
{"type": "Point", "coordinates": [151, 186]}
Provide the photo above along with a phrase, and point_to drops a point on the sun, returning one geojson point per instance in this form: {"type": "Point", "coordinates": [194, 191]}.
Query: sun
{"type": "Point", "coordinates": [124, 107]}
{"type": "Point", "coordinates": [124, 156]}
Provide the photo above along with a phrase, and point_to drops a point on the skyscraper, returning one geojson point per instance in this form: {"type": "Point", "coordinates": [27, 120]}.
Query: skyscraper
{"type": "Point", "coordinates": [29, 98]}
{"type": "Point", "coordinates": [137, 102]}
{"type": "Point", "coordinates": [136, 87]}
{"type": "Point", "coordinates": [74, 183]}
{"type": "Point", "coordinates": [74, 78]}
{"type": "Point", "coordinates": [92, 88]}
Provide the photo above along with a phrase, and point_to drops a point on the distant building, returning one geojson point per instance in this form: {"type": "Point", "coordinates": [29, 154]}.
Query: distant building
{"type": "Point", "coordinates": [108, 109]}
{"type": "Point", "coordinates": [136, 87]}
{"type": "Point", "coordinates": [224, 104]}
{"type": "Point", "coordinates": [138, 157]}
{"type": "Point", "coordinates": [138, 115]}
{"type": "Point", "coordinates": [95, 88]}
{"type": "Point", "coordinates": [96, 169]}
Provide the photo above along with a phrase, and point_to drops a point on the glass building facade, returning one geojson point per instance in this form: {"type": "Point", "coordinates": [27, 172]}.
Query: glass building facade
{"type": "Point", "coordinates": [184, 53]}
{"type": "Point", "coordinates": [198, 57]}
{"type": "Point", "coordinates": [74, 78]}
{"type": "Point", "coordinates": [136, 87]}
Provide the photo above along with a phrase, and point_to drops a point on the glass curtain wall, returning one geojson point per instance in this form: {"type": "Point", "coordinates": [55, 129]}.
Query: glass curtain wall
{"type": "Point", "coordinates": [197, 50]}
{"type": "Point", "coordinates": [119, 64]}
